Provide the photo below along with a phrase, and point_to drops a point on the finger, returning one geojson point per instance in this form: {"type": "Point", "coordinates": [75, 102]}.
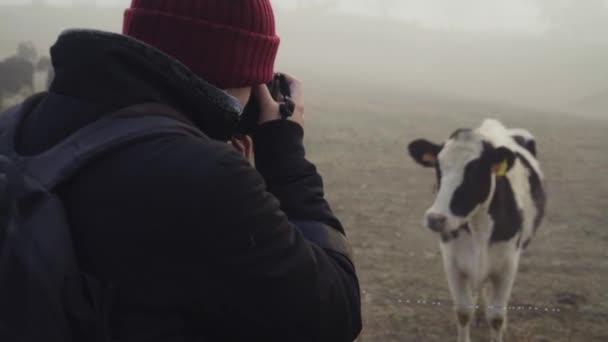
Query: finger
{"type": "Point", "coordinates": [262, 94]}
{"type": "Point", "coordinates": [247, 143]}
{"type": "Point", "coordinates": [238, 145]}
{"type": "Point", "coordinates": [296, 88]}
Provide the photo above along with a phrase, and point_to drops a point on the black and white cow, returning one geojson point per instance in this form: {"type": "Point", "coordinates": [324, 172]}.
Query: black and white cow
{"type": "Point", "coordinates": [490, 200]}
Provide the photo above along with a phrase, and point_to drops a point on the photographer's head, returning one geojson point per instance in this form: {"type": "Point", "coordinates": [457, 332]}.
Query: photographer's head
{"type": "Point", "coordinates": [230, 43]}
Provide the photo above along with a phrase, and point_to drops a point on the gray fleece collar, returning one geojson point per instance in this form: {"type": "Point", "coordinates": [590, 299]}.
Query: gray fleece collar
{"type": "Point", "coordinates": [173, 70]}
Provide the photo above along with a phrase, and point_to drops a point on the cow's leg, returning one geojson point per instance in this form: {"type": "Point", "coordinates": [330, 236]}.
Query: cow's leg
{"type": "Point", "coordinates": [479, 314]}
{"type": "Point", "coordinates": [461, 290]}
{"type": "Point", "coordinates": [499, 292]}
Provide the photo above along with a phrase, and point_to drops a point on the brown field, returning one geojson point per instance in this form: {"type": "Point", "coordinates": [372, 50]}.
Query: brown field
{"type": "Point", "coordinates": [359, 139]}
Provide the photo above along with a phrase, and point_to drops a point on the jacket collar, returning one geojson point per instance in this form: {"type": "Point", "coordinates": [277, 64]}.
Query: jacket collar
{"type": "Point", "coordinates": [117, 71]}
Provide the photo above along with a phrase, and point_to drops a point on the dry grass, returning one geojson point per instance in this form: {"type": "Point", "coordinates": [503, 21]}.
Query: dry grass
{"type": "Point", "coordinates": [359, 140]}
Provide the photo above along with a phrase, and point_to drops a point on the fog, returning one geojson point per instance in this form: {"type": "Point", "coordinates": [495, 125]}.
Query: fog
{"type": "Point", "coordinates": [500, 15]}
{"type": "Point", "coordinates": [517, 15]}
{"type": "Point", "coordinates": [545, 54]}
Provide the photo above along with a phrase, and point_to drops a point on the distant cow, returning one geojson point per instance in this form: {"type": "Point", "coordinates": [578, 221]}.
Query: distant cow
{"type": "Point", "coordinates": [27, 51]}
{"type": "Point", "coordinates": [490, 200]}
{"type": "Point", "coordinates": [17, 72]}
{"type": "Point", "coordinates": [45, 65]}
{"type": "Point", "coordinates": [16, 76]}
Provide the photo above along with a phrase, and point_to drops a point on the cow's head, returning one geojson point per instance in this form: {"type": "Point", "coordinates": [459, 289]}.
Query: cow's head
{"type": "Point", "coordinates": [466, 167]}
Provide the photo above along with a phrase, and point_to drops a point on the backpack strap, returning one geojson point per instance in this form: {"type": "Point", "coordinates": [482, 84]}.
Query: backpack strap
{"type": "Point", "coordinates": [113, 131]}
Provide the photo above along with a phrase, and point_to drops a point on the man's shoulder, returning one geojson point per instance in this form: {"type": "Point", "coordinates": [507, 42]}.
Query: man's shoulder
{"type": "Point", "coordinates": [164, 176]}
{"type": "Point", "coordinates": [168, 157]}
{"type": "Point", "coordinates": [181, 161]}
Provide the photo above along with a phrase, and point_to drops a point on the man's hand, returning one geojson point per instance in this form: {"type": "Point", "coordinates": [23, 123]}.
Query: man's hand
{"type": "Point", "coordinates": [269, 108]}
{"type": "Point", "coordinates": [244, 145]}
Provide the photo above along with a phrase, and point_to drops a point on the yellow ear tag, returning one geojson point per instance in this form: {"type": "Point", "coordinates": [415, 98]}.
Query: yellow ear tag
{"type": "Point", "coordinates": [428, 158]}
{"type": "Point", "coordinates": [501, 169]}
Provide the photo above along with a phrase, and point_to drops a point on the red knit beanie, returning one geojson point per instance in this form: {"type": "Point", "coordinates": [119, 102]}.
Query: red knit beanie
{"type": "Point", "coordinates": [229, 43]}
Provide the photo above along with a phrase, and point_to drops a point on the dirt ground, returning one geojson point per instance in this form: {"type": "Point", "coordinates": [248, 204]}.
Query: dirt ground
{"type": "Point", "coordinates": [358, 140]}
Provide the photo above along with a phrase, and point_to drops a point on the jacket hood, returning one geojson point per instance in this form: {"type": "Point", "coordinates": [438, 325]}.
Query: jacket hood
{"type": "Point", "coordinates": [117, 71]}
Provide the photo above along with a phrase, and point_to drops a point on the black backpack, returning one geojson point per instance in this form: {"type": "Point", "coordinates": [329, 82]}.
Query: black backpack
{"type": "Point", "coordinates": [44, 296]}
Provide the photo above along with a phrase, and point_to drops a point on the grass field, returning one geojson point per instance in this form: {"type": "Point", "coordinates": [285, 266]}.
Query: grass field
{"type": "Point", "coordinates": [359, 139]}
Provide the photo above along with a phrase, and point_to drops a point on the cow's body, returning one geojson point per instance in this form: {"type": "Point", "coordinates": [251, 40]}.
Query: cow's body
{"type": "Point", "coordinates": [17, 73]}
{"type": "Point", "coordinates": [484, 218]}
{"type": "Point", "coordinates": [17, 77]}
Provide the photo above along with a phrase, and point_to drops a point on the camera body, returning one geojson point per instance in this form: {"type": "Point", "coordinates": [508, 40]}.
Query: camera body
{"type": "Point", "coordinates": [280, 92]}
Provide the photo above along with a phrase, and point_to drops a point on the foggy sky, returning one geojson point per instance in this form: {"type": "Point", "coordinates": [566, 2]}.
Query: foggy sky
{"type": "Point", "coordinates": [501, 58]}
{"type": "Point", "coordinates": [511, 15]}
{"type": "Point", "coordinates": [478, 15]}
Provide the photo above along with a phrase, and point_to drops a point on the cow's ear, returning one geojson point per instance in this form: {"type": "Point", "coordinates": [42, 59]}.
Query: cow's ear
{"type": "Point", "coordinates": [501, 161]}
{"type": "Point", "coordinates": [424, 152]}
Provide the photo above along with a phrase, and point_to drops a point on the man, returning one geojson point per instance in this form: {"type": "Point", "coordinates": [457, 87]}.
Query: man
{"type": "Point", "coordinates": [201, 246]}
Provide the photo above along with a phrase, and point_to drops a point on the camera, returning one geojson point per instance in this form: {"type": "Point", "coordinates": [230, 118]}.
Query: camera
{"type": "Point", "coordinates": [280, 92]}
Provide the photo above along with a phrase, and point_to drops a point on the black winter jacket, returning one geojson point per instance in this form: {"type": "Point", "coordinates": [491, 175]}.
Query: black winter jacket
{"type": "Point", "coordinates": [202, 246]}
